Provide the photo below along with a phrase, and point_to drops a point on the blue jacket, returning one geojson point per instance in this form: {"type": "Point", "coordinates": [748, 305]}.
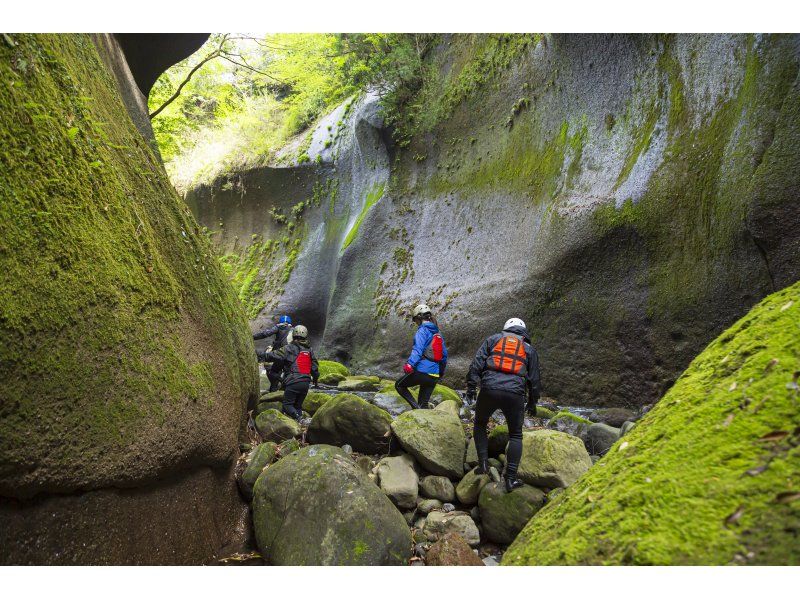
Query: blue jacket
{"type": "Point", "coordinates": [422, 339]}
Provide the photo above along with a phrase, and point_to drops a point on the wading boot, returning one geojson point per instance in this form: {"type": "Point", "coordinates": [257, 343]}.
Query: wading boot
{"type": "Point", "coordinates": [483, 467]}
{"type": "Point", "coordinates": [513, 484]}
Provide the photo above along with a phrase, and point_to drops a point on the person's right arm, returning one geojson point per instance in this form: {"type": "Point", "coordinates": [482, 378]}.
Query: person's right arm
{"type": "Point", "coordinates": [265, 333]}
{"type": "Point", "coordinates": [477, 366]}
{"type": "Point", "coordinates": [534, 381]}
{"type": "Point", "coordinates": [276, 356]}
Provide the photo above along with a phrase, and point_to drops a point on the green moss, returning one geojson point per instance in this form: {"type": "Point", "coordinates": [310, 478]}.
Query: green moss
{"type": "Point", "coordinates": [642, 136]}
{"type": "Point", "coordinates": [373, 196]}
{"type": "Point", "coordinates": [332, 367]}
{"type": "Point", "coordinates": [103, 270]}
{"type": "Point", "coordinates": [710, 476]}
{"type": "Point", "coordinates": [562, 415]}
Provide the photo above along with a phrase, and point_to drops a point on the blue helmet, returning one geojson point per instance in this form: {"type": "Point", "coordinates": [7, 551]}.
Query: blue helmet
{"type": "Point", "coordinates": [285, 320]}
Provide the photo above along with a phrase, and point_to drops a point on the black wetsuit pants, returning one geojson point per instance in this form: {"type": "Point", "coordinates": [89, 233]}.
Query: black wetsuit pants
{"type": "Point", "coordinates": [293, 396]}
{"type": "Point", "coordinates": [513, 408]}
{"type": "Point", "coordinates": [426, 384]}
{"type": "Point", "coordinates": [274, 374]}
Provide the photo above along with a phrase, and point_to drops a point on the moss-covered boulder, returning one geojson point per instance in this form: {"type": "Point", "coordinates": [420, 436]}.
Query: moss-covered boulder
{"type": "Point", "coordinates": [435, 438]}
{"type": "Point", "coordinates": [315, 400]}
{"type": "Point", "coordinates": [123, 344]}
{"type": "Point", "coordinates": [315, 507]}
{"type": "Point", "coordinates": [257, 460]}
{"type": "Point", "coordinates": [504, 514]}
{"type": "Point", "coordinates": [327, 368]}
{"type": "Point", "coordinates": [450, 407]}
{"type": "Point", "coordinates": [498, 439]}
{"type": "Point", "coordinates": [349, 419]}
{"type": "Point", "coordinates": [710, 476]}
{"type": "Point", "coordinates": [272, 425]}
{"type": "Point", "coordinates": [439, 487]}
{"type": "Point", "coordinates": [565, 421]}
{"type": "Point", "coordinates": [552, 459]}
{"type": "Point", "coordinates": [369, 384]}
{"type": "Point", "coordinates": [287, 447]}
{"type": "Point", "coordinates": [471, 458]}
{"type": "Point", "coordinates": [263, 406]}
{"type": "Point", "coordinates": [469, 488]}
{"type": "Point", "coordinates": [544, 412]}
{"type": "Point", "coordinates": [442, 393]}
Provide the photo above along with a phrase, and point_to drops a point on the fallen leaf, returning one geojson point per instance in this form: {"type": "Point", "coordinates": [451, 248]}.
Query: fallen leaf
{"type": "Point", "coordinates": [735, 516]}
{"type": "Point", "coordinates": [623, 446]}
{"type": "Point", "coordinates": [728, 420]}
{"type": "Point", "coordinates": [786, 497]}
{"type": "Point", "coordinates": [732, 386]}
{"type": "Point", "coordinates": [774, 436]}
{"type": "Point", "coordinates": [786, 306]}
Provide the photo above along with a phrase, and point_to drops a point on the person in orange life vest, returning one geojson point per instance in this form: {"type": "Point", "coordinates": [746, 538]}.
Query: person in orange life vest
{"type": "Point", "coordinates": [300, 368]}
{"type": "Point", "coordinates": [507, 367]}
{"type": "Point", "coordinates": [427, 362]}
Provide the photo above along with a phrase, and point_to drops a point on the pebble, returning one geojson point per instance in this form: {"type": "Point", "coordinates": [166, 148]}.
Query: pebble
{"type": "Point", "coordinates": [490, 561]}
{"type": "Point", "coordinates": [448, 507]}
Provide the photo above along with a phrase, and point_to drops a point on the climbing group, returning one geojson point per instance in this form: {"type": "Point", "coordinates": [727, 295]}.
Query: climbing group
{"type": "Point", "coordinates": [505, 367]}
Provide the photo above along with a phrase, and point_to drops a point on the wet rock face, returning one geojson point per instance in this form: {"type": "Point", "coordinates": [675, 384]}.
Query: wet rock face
{"type": "Point", "coordinates": [315, 507]}
{"type": "Point", "coordinates": [600, 160]}
{"type": "Point", "coordinates": [133, 376]}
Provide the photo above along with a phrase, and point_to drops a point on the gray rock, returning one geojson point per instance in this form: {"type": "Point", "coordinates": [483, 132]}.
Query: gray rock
{"type": "Point", "coordinates": [552, 459]}
{"type": "Point", "coordinates": [475, 513]}
{"type": "Point", "coordinates": [435, 439]}
{"type": "Point", "coordinates": [449, 407]}
{"type": "Point", "coordinates": [391, 402]}
{"type": "Point", "coordinates": [365, 463]}
{"type": "Point", "coordinates": [626, 427]}
{"type": "Point", "coordinates": [496, 463]}
{"type": "Point", "coordinates": [448, 507]}
{"type": "Point", "coordinates": [315, 507]}
{"type": "Point", "coordinates": [471, 460]}
{"type": "Point", "coordinates": [350, 419]}
{"type": "Point", "coordinates": [439, 487]}
{"type": "Point", "coordinates": [612, 416]}
{"type": "Point", "coordinates": [349, 384]}
{"type": "Point", "coordinates": [257, 460]}
{"type": "Point", "coordinates": [599, 438]}
{"type": "Point", "coordinates": [347, 449]}
{"type": "Point", "coordinates": [504, 514]}
{"type": "Point", "coordinates": [426, 505]}
{"type": "Point", "coordinates": [397, 478]}
{"type": "Point", "coordinates": [439, 523]}
{"type": "Point", "coordinates": [494, 474]}
{"type": "Point", "coordinates": [490, 561]}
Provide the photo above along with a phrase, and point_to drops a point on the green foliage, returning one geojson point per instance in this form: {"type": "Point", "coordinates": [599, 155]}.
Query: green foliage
{"type": "Point", "coordinates": [709, 476]}
{"type": "Point", "coordinates": [373, 196]}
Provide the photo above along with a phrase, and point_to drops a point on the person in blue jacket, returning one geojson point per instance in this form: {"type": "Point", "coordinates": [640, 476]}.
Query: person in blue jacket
{"type": "Point", "coordinates": [427, 362]}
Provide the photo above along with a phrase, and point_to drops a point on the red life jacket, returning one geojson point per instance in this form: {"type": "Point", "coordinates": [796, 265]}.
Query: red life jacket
{"type": "Point", "coordinates": [302, 365]}
{"type": "Point", "coordinates": [508, 356]}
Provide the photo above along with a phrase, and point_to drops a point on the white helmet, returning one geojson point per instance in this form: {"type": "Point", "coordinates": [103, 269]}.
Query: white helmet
{"type": "Point", "coordinates": [299, 331]}
{"type": "Point", "coordinates": [513, 322]}
{"type": "Point", "coordinates": [420, 310]}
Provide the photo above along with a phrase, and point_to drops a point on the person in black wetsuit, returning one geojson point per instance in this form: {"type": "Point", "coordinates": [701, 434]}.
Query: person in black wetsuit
{"type": "Point", "coordinates": [300, 369]}
{"type": "Point", "coordinates": [280, 331]}
{"type": "Point", "coordinates": [507, 368]}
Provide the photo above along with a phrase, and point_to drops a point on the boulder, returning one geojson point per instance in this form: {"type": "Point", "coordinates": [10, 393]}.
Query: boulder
{"type": "Point", "coordinates": [365, 463]}
{"type": "Point", "coordinates": [352, 383]}
{"type": "Point", "coordinates": [448, 407]}
{"type": "Point", "coordinates": [391, 402]}
{"type": "Point", "coordinates": [565, 421]}
{"type": "Point", "coordinates": [315, 400]}
{"type": "Point", "coordinates": [470, 486]}
{"type": "Point", "coordinates": [471, 458]}
{"type": "Point", "coordinates": [315, 507]}
{"type": "Point", "coordinates": [398, 479]}
{"type": "Point", "coordinates": [599, 438]}
{"type": "Point", "coordinates": [426, 505]}
{"type": "Point", "coordinates": [626, 427]}
{"type": "Point", "coordinates": [552, 459]}
{"type": "Point", "coordinates": [444, 393]}
{"type": "Point", "coordinates": [504, 514]}
{"type": "Point", "coordinates": [498, 439]}
{"type": "Point", "coordinates": [257, 460]}
{"type": "Point", "coordinates": [263, 406]}
{"type": "Point", "coordinates": [613, 416]}
{"type": "Point", "coordinates": [349, 419]}
{"type": "Point", "coordinates": [544, 412]}
{"type": "Point", "coordinates": [439, 523]}
{"type": "Point", "coordinates": [275, 426]}
{"type": "Point", "coordinates": [452, 550]}
{"type": "Point", "coordinates": [289, 446]}
{"type": "Point", "coordinates": [439, 487]}
{"type": "Point", "coordinates": [435, 438]}
{"type": "Point", "coordinates": [327, 368]}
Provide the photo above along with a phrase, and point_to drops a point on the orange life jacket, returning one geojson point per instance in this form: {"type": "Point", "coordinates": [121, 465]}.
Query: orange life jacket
{"type": "Point", "coordinates": [509, 356]}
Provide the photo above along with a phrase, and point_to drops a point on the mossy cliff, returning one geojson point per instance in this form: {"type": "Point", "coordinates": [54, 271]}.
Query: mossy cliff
{"type": "Point", "coordinates": [710, 476]}
{"type": "Point", "coordinates": [628, 196]}
{"type": "Point", "coordinates": [125, 355]}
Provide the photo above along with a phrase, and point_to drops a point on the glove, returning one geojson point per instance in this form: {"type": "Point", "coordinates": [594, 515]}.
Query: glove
{"type": "Point", "coordinates": [408, 369]}
{"type": "Point", "coordinates": [471, 395]}
{"type": "Point", "coordinates": [531, 408]}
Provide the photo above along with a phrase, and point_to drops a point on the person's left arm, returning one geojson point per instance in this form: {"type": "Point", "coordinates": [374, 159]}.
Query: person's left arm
{"type": "Point", "coordinates": [421, 339]}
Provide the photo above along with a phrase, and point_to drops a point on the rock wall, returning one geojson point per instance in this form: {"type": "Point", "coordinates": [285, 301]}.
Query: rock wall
{"type": "Point", "coordinates": [628, 196]}
{"type": "Point", "coordinates": [125, 360]}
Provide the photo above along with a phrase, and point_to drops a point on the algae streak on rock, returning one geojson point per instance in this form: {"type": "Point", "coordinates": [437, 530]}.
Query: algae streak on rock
{"type": "Point", "coordinates": [642, 188]}
{"type": "Point", "coordinates": [126, 360]}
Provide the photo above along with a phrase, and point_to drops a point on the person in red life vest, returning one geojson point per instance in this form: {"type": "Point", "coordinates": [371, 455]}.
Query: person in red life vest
{"type": "Point", "coordinates": [281, 333]}
{"type": "Point", "coordinates": [507, 368]}
{"type": "Point", "coordinates": [300, 369]}
{"type": "Point", "coordinates": [427, 362]}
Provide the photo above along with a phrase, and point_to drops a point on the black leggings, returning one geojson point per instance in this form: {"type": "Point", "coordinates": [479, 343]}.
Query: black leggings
{"type": "Point", "coordinates": [274, 375]}
{"type": "Point", "coordinates": [513, 407]}
{"type": "Point", "coordinates": [426, 384]}
{"type": "Point", "coordinates": [293, 396]}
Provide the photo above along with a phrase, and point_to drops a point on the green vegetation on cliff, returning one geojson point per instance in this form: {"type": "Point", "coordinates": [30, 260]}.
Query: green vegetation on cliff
{"type": "Point", "coordinates": [113, 313]}
{"type": "Point", "coordinates": [710, 476]}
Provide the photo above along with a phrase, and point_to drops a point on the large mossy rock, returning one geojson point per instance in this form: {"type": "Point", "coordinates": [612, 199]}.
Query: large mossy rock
{"type": "Point", "coordinates": [552, 459]}
{"type": "Point", "coordinates": [708, 477]}
{"type": "Point", "coordinates": [349, 419]}
{"type": "Point", "coordinates": [599, 438]}
{"type": "Point", "coordinates": [315, 400]}
{"type": "Point", "coordinates": [257, 460]}
{"type": "Point", "coordinates": [398, 479]}
{"type": "Point", "coordinates": [435, 438]}
{"type": "Point", "coordinates": [438, 487]}
{"type": "Point", "coordinates": [315, 507]}
{"type": "Point", "coordinates": [328, 368]}
{"type": "Point", "coordinates": [125, 354]}
{"type": "Point", "coordinates": [364, 384]}
{"type": "Point", "coordinates": [504, 514]}
{"type": "Point", "coordinates": [274, 426]}
{"type": "Point", "coordinates": [469, 488]}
